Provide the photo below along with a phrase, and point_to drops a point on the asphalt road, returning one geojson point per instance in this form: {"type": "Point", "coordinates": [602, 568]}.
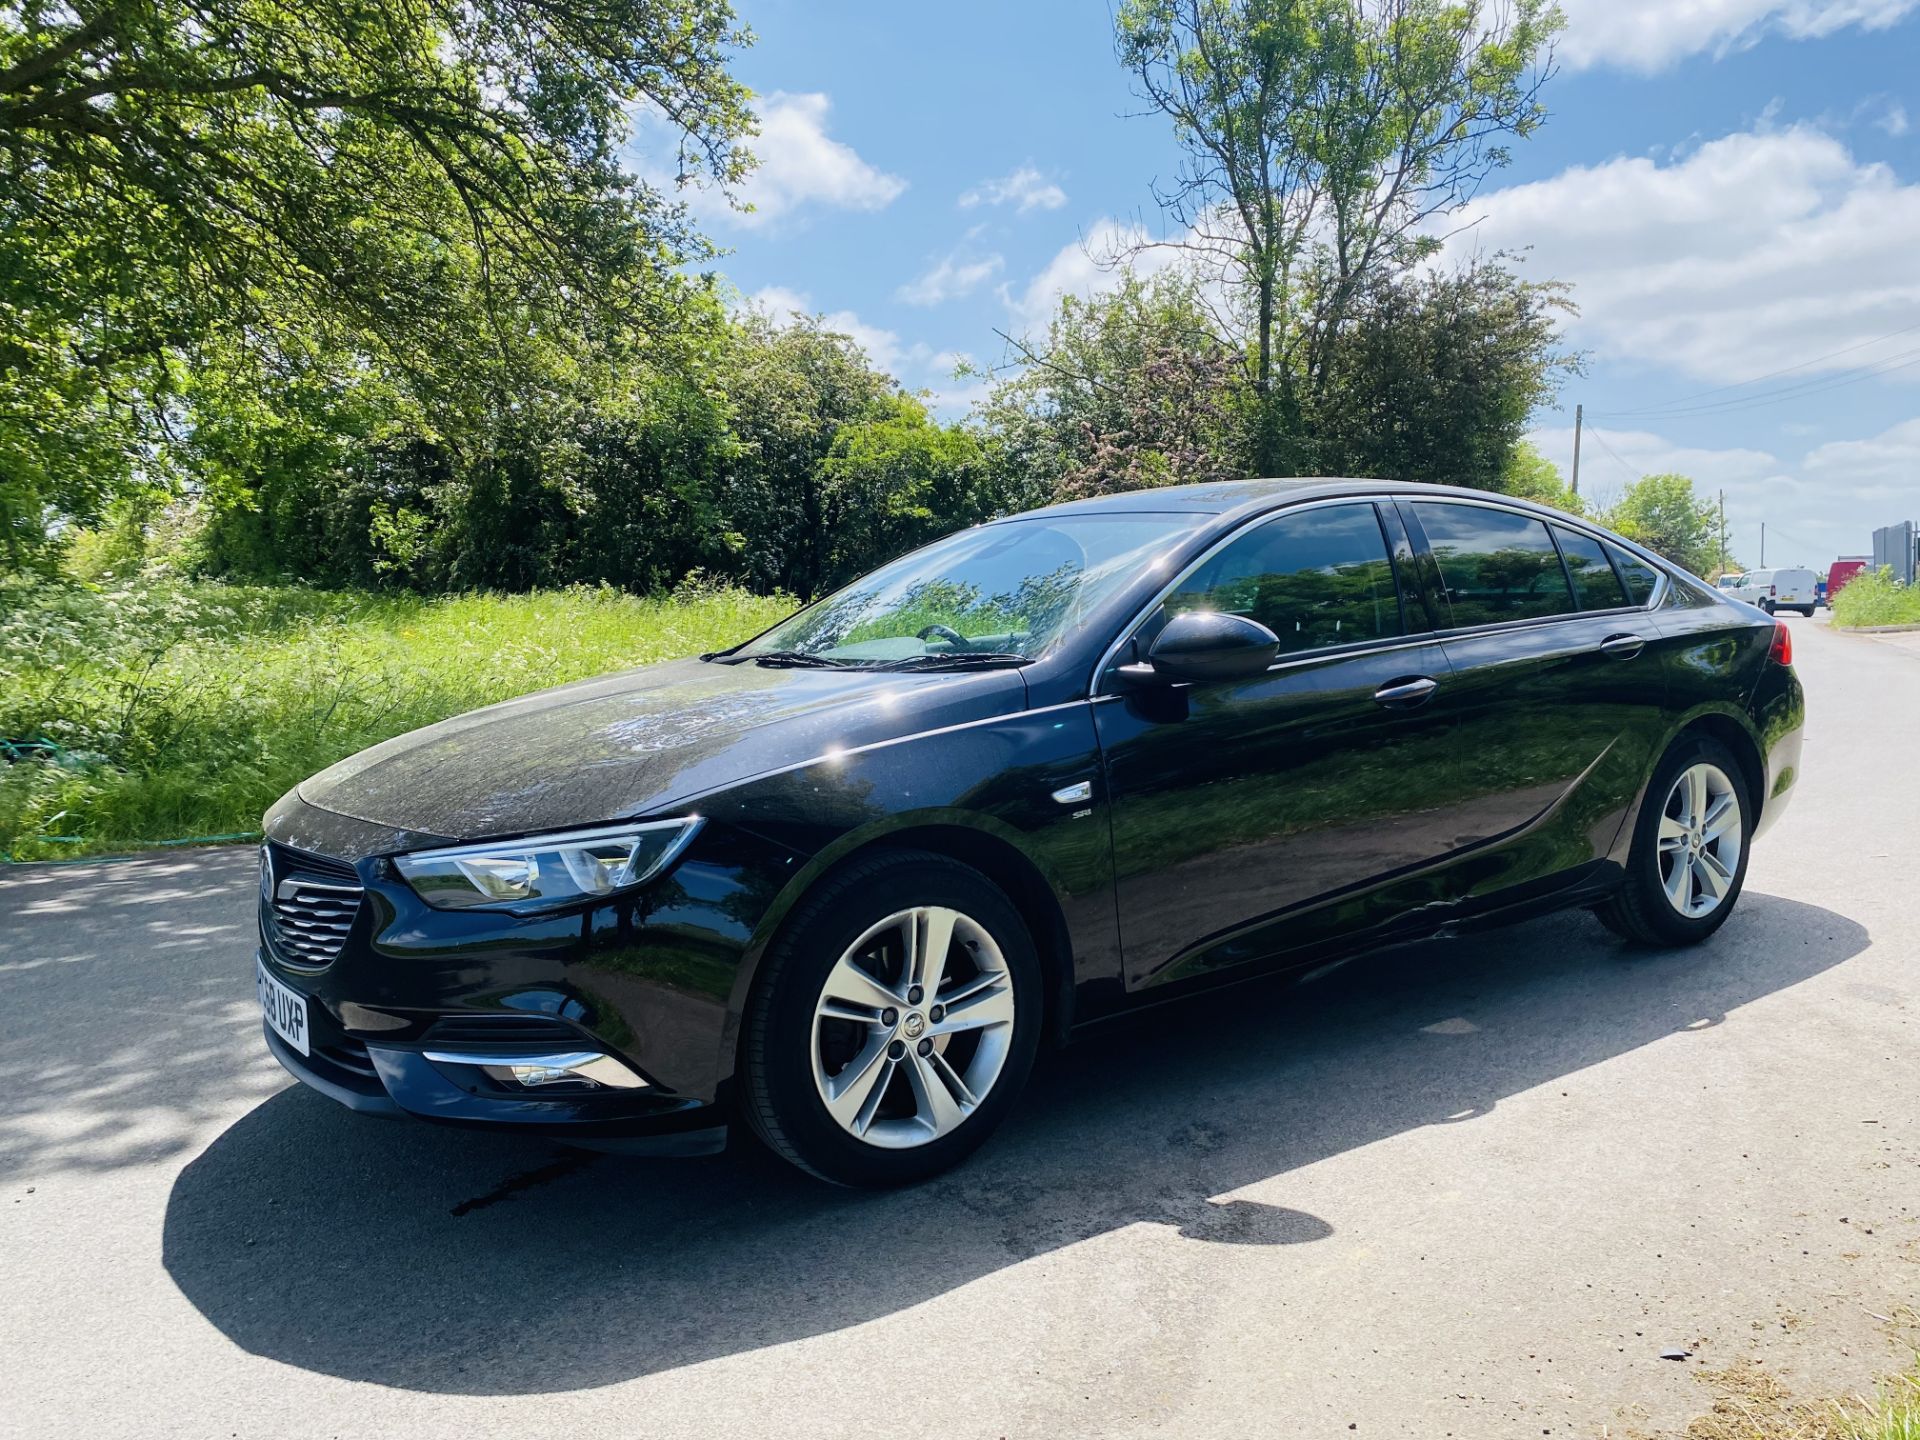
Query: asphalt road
{"type": "Point", "coordinates": [1471, 1188]}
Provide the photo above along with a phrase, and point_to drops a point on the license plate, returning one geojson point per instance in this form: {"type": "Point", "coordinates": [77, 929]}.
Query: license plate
{"type": "Point", "coordinates": [285, 1011]}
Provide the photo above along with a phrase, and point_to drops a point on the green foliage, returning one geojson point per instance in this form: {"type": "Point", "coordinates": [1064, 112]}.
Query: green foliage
{"type": "Point", "coordinates": [1662, 513]}
{"type": "Point", "coordinates": [1129, 389]}
{"type": "Point", "coordinates": [1319, 138]}
{"type": "Point", "coordinates": [896, 481]}
{"type": "Point", "coordinates": [1433, 377]}
{"type": "Point", "coordinates": [185, 710]}
{"type": "Point", "coordinates": [1874, 597]}
{"type": "Point", "coordinates": [329, 207]}
{"type": "Point", "coordinates": [1531, 476]}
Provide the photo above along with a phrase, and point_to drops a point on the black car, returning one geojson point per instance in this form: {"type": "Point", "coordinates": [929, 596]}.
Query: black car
{"type": "Point", "coordinates": [844, 880]}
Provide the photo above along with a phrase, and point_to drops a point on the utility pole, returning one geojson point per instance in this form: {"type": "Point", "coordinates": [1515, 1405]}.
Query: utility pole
{"type": "Point", "coordinates": [1577, 415]}
{"type": "Point", "coordinates": [1763, 544]}
{"type": "Point", "coordinates": [1723, 532]}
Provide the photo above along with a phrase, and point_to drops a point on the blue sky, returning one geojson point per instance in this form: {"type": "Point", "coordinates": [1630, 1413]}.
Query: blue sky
{"type": "Point", "coordinates": [1731, 186]}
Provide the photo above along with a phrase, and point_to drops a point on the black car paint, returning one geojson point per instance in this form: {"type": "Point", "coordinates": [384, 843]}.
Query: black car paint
{"type": "Point", "coordinates": [1478, 805]}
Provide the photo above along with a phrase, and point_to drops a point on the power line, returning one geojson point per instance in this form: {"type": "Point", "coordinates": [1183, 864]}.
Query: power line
{"type": "Point", "coordinates": [1768, 375]}
{"type": "Point", "coordinates": [1902, 360]}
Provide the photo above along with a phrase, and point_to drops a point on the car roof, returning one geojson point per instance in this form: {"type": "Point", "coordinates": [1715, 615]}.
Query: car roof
{"type": "Point", "coordinates": [1227, 497]}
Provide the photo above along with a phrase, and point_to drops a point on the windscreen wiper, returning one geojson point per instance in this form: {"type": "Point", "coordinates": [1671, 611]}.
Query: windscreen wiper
{"type": "Point", "coordinates": [795, 660]}
{"type": "Point", "coordinates": [959, 660]}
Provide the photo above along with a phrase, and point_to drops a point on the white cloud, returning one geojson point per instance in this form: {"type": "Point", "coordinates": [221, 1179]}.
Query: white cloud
{"type": "Point", "coordinates": [1649, 35]}
{"type": "Point", "coordinates": [953, 276]}
{"type": "Point", "coordinates": [1893, 119]}
{"type": "Point", "coordinates": [802, 165]}
{"type": "Point", "coordinates": [1753, 252]}
{"type": "Point", "coordinates": [883, 347]}
{"type": "Point", "coordinates": [1091, 265]}
{"type": "Point", "coordinates": [1025, 189]}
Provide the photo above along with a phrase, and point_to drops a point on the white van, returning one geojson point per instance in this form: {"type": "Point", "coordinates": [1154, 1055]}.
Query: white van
{"type": "Point", "coordinates": [1784, 589]}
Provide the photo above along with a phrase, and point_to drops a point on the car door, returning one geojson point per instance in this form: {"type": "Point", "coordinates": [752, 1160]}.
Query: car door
{"type": "Point", "coordinates": [1557, 687]}
{"type": "Point", "coordinates": [1252, 817]}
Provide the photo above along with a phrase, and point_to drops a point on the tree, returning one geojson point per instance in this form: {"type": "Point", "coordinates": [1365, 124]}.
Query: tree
{"type": "Point", "coordinates": [896, 481]}
{"type": "Point", "coordinates": [431, 191]}
{"type": "Point", "coordinates": [1434, 376]}
{"type": "Point", "coordinates": [790, 389]}
{"type": "Point", "coordinates": [1662, 513]}
{"type": "Point", "coordinates": [1129, 389]}
{"type": "Point", "coordinates": [1531, 476]}
{"type": "Point", "coordinates": [1320, 140]}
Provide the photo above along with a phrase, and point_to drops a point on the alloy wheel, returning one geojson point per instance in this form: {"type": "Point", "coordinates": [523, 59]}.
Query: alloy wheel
{"type": "Point", "coordinates": [1700, 836]}
{"type": "Point", "coordinates": [912, 1027]}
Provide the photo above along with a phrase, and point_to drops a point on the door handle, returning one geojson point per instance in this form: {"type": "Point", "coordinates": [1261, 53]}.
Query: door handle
{"type": "Point", "coordinates": [1405, 694]}
{"type": "Point", "coordinates": [1623, 647]}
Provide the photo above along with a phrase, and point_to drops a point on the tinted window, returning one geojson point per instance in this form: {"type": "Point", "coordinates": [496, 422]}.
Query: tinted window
{"type": "Point", "coordinates": [1321, 577]}
{"type": "Point", "coordinates": [1496, 565]}
{"type": "Point", "coordinates": [1595, 586]}
{"type": "Point", "coordinates": [1639, 575]}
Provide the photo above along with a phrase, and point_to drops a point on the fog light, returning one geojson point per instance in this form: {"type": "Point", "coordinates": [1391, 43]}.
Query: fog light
{"type": "Point", "coordinates": [533, 1071]}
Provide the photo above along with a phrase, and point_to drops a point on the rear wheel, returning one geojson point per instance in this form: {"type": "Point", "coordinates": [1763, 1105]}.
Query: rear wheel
{"type": "Point", "coordinates": [1689, 856]}
{"type": "Point", "coordinates": [895, 1023]}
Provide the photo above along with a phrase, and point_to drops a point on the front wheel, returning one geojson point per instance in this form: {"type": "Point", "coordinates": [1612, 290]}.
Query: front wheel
{"type": "Point", "coordinates": [1689, 856]}
{"type": "Point", "coordinates": [895, 1022]}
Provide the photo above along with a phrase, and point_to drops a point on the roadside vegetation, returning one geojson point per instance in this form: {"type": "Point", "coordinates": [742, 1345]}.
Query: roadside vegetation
{"type": "Point", "coordinates": [157, 711]}
{"type": "Point", "coordinates": [1874, 597]}
{"type": "Point", "coordinates": [1752, 1405]}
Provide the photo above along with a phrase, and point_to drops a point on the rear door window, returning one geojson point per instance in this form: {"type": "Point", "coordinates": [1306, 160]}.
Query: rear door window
{"type": "Point", "coordinates": [1315, 578]}
{"type": "Point", "coordinates": [1595, 586]}
{"type": "Point", "coordinates": [1495, 564]}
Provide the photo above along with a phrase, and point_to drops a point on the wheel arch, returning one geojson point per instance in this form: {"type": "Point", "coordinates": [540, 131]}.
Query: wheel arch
{"type": "Point", "coordinates": [968, 842]}
{"type": "Point", "coordinates": [1739, 741]}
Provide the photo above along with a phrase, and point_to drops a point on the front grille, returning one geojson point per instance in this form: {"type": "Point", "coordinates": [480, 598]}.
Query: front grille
{"type": "Point", "coordinates": [311, 903]}
{"type": "Point", "coordinates": [500, 1029]}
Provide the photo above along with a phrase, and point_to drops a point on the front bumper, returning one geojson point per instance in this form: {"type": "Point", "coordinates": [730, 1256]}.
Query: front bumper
{"type": "Point", "coordinates": [395, 1081]}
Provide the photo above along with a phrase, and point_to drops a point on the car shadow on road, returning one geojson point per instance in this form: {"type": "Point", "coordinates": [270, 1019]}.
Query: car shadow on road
{"type": "Point", "coordinates": [443, 1261]}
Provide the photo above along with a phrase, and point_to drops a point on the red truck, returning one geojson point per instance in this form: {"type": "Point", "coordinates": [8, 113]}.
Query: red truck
{"type": "Point", "coordinates": [1843, 570]}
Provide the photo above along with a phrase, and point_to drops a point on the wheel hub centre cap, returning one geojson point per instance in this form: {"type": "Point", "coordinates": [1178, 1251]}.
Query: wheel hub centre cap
{"type": "Point", "coordinates": [914, 1026]}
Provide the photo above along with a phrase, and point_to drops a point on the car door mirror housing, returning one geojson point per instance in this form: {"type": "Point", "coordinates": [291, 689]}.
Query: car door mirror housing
{"type": "Point", "coordinates": [1201, 645]}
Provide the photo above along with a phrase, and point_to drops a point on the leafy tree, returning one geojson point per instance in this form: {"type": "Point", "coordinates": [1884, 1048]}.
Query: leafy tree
{"type": "Point", "coordinates": [1532, 476]}
{"type": "Point", "coordinates": [896, 481]}
{"type": "Point", "coordinates": [1434, 376]}
{"type": "Point", "coordinates": [1320, 140]}
{"type": "Point", "coordinates": [1129, 389]}
{"type": "Point", "coordinates": [791, 388]}
{"type": "Point", "coordinates": [1662, 513]}
{"type": "Point", "coordinates": [429, 192]}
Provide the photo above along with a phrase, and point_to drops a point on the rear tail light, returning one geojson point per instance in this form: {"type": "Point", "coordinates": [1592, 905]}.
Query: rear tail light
{"type": "Point", "coordinates": [1773, 589]}
{"type": "Point", "coordinates": [1781, 651]}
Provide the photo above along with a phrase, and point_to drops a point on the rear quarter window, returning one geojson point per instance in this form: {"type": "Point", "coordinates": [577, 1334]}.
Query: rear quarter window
{"type": "Point", "coordinates": [1595, 585]}
{"type": "Point", "coordinates": [1641, 577]}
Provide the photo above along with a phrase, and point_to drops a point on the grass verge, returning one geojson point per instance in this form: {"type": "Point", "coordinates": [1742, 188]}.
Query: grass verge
{"type": "Point", "coordinates": [1752, 1405]}
{"type": "Point", "coordinates": [1874, 597]}
{"type": "Point", "coordinates": [142, 713]}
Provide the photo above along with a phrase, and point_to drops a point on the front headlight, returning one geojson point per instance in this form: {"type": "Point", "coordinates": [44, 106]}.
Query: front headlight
{"type": "Point", "coordinates": [546, 870]}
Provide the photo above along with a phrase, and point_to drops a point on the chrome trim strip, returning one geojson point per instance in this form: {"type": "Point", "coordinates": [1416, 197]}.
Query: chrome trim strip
{"type": "Point", "coordinates": [1074, 794]}
{"type": "Point", "coordinates": [587, 1064]}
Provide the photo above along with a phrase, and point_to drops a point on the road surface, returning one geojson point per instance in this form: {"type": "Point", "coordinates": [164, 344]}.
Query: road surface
{"type": "Point", "coordinates": [1471, 1188]}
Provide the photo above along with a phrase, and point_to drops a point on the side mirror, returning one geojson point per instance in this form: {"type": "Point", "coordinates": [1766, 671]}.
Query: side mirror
{"type": "Point", "coordinates": [1201, 645]}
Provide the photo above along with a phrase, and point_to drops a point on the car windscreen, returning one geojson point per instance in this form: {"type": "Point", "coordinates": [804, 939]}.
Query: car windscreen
{"type": "Point", "coordinates": [1012, 590]}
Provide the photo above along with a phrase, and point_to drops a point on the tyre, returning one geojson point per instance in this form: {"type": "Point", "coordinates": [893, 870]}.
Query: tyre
{"type": "Point", "coordinates": [1688, 861]}
{"type": "Point", "coordinates": [1807, 610]}
{"type": "Point", "coordinates": [1767, 605]}
{"type": "Point", "coordinates": [895, 1021]}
